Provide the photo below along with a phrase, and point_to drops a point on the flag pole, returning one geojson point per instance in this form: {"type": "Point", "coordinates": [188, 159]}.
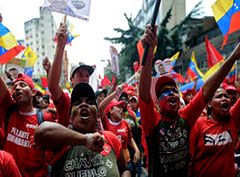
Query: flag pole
{"type": "Point", "coordinates": [236, 72]}
{"type": "Point", "coordinates": [64, 19]}
{"type": "Point", "coordinates": [154, 17]}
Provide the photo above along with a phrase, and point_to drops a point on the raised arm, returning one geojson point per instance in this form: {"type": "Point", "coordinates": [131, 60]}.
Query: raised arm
{"type": "Point", "coordinates": [108, 99]}
{"type": "Point", "coordinates": [149, 38]}
{"type": "Point", "coordinates": [55, 71]}
{"type": "Point", "coordinates": [3, 88]}
{"type": "Point", "coordinates": [52, 135]}
{"type": "Point", "coordinates": [46, 65]}
{"type": "Point", "coordinates": [212, 83]}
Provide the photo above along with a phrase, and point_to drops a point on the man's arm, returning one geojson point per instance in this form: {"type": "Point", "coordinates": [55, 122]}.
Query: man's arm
{"type": "Point", "coordinates": [108, 99]}
{"type": "Point", "coordinates": [52, 135]}
{"type": "Point", "coordinates": [213, 83]}
{"type": "Point", "coordinates": [149, 38]}
{"type": "Point", "coordinates": [55, 71]}
{"type": "Point", "coordinates": [3, 88]}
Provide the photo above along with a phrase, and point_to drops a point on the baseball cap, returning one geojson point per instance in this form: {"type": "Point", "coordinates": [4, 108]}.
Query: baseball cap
{"type": "Point", "coordinates": [230, 87]}
{"type": "Point", "coordinates": [114, 102]}
{"type": "Point", "coordinates": [89, 68]}
{"type": "Point", "coordinates": [98, 92]}
{"type": "Point", "coordinates": [82, 90]}
{"type": "Point", "coordinates": [162, 81]}
{"type": "Point", "coordinates": [123, 96]}
{"type": "Point", "coordinates": [25, 78]}
{"type": "Point", "coordinates": [133, 97]}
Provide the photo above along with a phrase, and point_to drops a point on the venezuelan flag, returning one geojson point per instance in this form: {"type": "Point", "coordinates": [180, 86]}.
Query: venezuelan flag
{"type": "Point", "coordinates": [174, 59]}
{"type": "Point", "coordinates": [212, 70]}
{"type": "Point", "coordinates": [227, 14]}
{"type": "Point", "coordinates": [232, 75]}
{"type": "Point", "coordinates": [71, 34]}
{"type": "Point", "coordinates": [193, 71]}
{"type": "Point", "coordinates": [9, 47]}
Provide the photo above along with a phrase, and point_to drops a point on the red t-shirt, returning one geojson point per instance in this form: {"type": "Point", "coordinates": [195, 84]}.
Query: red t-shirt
{"type": "Point", "coordinates": [30, 160]}
{"type": "Point", "coordinates": [212, 145]}
{"type": "Point", "coordinates": [8, 166]}
{"type": "Point", "coordinates": [120, 129]}
{"type": "Point", "coordinates": [150, 117]}
{"type": "Point", "coordinates": [63, 109]}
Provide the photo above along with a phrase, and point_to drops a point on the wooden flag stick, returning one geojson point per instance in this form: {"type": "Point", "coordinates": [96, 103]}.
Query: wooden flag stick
{"type": "Point", "coordinates": [64, 19]}
{"type": "Point", "coordinates": [155, 13]}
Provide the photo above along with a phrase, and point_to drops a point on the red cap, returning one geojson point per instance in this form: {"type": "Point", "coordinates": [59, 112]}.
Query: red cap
{"type": "Point", "coordinates": [162, 81]}
{"type": "Point", "coordinates": [230, 87]}
{"type": "Point", "coordinates": [111, 104]}
{"type": "Point", "coordinates": [25, 78]}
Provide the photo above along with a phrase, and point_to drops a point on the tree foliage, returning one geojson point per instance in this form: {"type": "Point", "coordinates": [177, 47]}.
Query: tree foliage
{"type": "Point", "coordinates": [169, 40]}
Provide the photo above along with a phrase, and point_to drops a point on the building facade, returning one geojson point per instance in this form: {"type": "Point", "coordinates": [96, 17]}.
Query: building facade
{"type": "Point", "coordinates": [39, 35]}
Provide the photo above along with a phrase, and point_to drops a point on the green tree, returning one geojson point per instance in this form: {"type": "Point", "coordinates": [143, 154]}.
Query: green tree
{"type": "Point", "coordinates": [128, 54]}
{"type": "Point", "coordinates": [169, 40]}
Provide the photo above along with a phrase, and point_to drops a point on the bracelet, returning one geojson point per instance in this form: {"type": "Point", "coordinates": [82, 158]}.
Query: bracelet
{"type": "Point", "coordinates": [89, 139]}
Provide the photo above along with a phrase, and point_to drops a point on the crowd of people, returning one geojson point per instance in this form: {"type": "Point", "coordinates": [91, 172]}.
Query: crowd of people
{"type": "Point", "coordinates": [119, 132]}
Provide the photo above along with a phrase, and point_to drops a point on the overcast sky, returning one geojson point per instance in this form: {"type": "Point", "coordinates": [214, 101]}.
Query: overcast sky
{"type": "Point", "coordinates": [105, 15]}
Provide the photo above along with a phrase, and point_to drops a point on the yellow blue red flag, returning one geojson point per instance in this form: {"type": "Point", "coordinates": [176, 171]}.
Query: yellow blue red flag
{"type": "Point", "coordinates": [227, 14]}
{"type": "Point", "coordinates": [71, 34]}
{"type": "Point", "coordinates": [30, 57]}
{"type": "Point", "coordinates": [193, 71]}
{"type": "Point", "coordinates": [174, 59]}
{"type": "Point", "coordinates": [9, 46]}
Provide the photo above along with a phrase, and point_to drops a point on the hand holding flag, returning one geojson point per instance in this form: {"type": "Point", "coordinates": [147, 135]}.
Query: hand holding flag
{"type": "Point", "coordinates": [69, 30]}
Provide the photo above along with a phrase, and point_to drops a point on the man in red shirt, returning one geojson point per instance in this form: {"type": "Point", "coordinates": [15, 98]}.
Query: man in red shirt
{"type": "Point", "coordinates": [83, 151]}
{"type": "Point", "coordinates": [167, 131]}
{"type": "Point", "coordinates": [21, 124]}
{"type": "Point", "coordinates": [79, 73]}
{"type": "Point", "coordinates": [8, 167]}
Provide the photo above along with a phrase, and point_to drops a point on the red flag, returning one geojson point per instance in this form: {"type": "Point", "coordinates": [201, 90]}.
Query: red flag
{"type": "Point", "coordinates": [135, 66]}
{"type": "Point", "coordinates": [213, 56]}
{"type": "Point", "coordinates": [105, 82]}
{"type": "Point", "coordinates": [44, 82]}
{"type": "Point", "coordinates": [178, 77]}
{"type": "Point", "coordinates": [140, 50]}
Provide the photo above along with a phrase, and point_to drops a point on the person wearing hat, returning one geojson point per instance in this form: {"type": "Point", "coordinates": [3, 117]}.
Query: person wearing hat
{"type": "Point", "coordinates": [82, 150]}
{"type": "Point", "coordinates": [20, 121]}
{"type": "Point", "coordinates": [167, 131]}
{"type": "Point", "coordinates": [79, 73]}
{"type": "Point", "coordinates": [111, 111]}
{"type": "Point", "coordinates": [232, 93]}
{"type": "Point", "coordinates": [100, 95]}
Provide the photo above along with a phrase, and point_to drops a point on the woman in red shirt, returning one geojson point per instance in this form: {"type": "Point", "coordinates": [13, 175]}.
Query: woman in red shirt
{"type": "Point", "coordinates": [213, 138]}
